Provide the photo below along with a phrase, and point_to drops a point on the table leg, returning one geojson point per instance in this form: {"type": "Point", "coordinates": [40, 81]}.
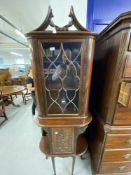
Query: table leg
{"type": "Point", "coordinates": [73, 164]}
{"type": "Point", "coordinates": [8, 101]}
{"type": "Point", "coordinates": [53, 163]}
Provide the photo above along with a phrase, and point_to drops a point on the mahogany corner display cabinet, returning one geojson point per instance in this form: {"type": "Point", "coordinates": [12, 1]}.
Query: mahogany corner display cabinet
{"type": "Point", "coordinates": [109, 135]}
{"type": "Point", "coordinates": [62, 68]}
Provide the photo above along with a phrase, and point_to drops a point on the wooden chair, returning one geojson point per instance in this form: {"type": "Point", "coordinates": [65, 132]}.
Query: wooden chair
{"type": "Point", "coordinates": [26, 95]}
{"type": "Point", "coordinates": [2, 109]}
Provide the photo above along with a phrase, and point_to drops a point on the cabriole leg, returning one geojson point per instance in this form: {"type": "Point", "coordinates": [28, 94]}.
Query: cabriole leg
{"type": "Point", "coordinates": [73, 164]}
{"type": "Point", "coordinates": [53, 164]}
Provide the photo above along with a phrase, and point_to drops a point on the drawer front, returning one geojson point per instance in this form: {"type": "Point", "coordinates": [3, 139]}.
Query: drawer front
{"type": "Point", "coordinates": [121, 167]}
{"type": "Point", "coordinates": [127, 70]}
{"type": "Point", "coordinates": [122, 117]}
{"type": "Point", "coordinates": [118, 141]}
{"type": "Point", "coordinates": [117, 155]}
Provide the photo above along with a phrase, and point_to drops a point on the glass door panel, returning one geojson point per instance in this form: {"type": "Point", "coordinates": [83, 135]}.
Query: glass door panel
{"type": "Point", "coordinates": [62, 64]}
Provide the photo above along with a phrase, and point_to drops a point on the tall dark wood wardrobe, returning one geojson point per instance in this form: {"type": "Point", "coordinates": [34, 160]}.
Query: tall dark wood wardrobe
{"type": "Point", "coordinates": [109, 134]}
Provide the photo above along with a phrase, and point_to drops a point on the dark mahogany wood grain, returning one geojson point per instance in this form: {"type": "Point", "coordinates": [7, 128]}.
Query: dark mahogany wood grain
{"type": "Point", "coordinates": [111, 118]}
{"type": "Point", "coordinates": [109, 64]}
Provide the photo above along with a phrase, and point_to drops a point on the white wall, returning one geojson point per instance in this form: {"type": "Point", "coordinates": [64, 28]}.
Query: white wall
{"type": "Point", "coordinates": [28, 15]}
{"type": "Point", "coordinates": [9, 59]}
{"type": "Point", "coordinates": [61, 10]}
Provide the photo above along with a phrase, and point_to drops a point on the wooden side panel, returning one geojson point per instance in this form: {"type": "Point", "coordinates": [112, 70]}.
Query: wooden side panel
{"type": "Point", "coordinates": [96, 140]}
{"type": "Point", "coordinates": [110, 57]}
{"type": "Point", "coordinates": [110, 101]}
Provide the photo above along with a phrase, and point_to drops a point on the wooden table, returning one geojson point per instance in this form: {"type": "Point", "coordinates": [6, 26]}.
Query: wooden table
{"type": "Point", "coordinates": [11, 90]}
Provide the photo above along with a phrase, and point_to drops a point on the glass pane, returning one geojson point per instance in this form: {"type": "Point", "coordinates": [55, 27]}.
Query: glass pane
{"type": "Point", "coordinates": [62, 62]}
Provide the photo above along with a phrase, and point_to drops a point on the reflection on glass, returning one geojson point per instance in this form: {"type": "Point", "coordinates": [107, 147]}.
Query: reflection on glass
{"type": "Point", "coordinates": [62, 63]}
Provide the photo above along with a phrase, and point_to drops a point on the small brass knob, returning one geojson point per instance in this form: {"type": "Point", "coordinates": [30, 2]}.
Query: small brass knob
{"type": "Point", "coordinates": [127, 156]}
{"type": "Point", "coordinates": [121, 168]}
{"type": "Point", "coordinates": [56, 132]}
{"type": "Point", "coordinates": [129, 142]}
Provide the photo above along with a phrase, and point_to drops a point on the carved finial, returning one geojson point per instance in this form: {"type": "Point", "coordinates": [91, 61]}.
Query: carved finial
{"type": "Point", "coordinates": [75, 20]}
{"type": "Point", "coordinates": [71, 11]}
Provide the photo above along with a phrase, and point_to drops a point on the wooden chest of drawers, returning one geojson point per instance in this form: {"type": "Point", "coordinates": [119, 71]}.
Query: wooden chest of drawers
{"type": "Point", "coordinates": [117, 152]}
{"type": "Point", "coordinates": [109, 134]}
{"type": "Point", "coordinates": [110, 148]}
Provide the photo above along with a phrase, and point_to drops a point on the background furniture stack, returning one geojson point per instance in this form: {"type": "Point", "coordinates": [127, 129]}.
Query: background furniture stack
{"type": "Point", "coordinates": [8, 82]}
{"type": "Point", "coordinates": [109, 134]}
{"type": "Point", "coordinates": [4, 76]}
{"type": "Point", "coordinates": [7, 79]}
